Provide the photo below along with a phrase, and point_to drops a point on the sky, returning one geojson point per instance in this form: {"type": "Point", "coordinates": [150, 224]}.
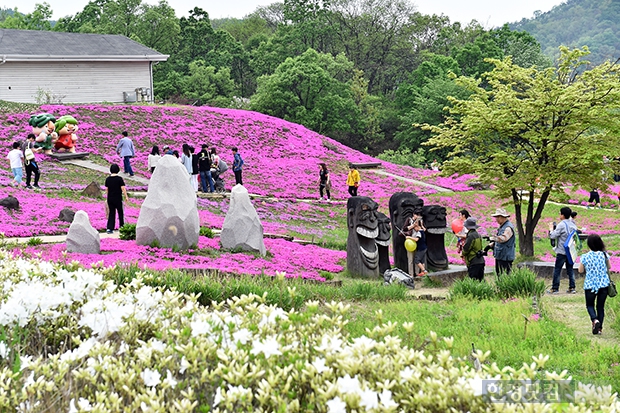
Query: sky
{"type": "Point", "coordinates": [490, 13]}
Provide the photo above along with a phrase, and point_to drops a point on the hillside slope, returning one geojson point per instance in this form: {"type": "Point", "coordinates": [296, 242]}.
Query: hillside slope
{"type": "Point", "coordinates": [575, 23]}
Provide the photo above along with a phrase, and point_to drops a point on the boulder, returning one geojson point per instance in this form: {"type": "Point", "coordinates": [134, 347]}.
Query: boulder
{"type": "Point", "coordinates": [242, 227]}
{"type": "Point", "coordinates": [10, 202]}
{"type": "Point", "coordinates": [169, 214]}
{"type": "Point", "coordinates": [82, 237]}
{"type": "Point", "coordinates": [66, 215]}
{"type": "Point", "coordinates": [93, 190]}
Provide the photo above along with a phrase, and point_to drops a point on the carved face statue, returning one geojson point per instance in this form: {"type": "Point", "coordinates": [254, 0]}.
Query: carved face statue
{"type": "Point", "coordinates": [435, 219]}
{"type": "Point", "coordinates": [362, 256]}
{"type": "Point", "coordinates": [385, 230]}
{"type": "Point", "coordinates": [402, 207]}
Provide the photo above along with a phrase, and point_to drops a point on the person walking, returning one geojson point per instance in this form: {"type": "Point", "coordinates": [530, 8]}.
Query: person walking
{"type": "Point", "coordinates": [503, 243]}
{"type": "Point", "coordinates": [154, 157]}
{"type": "Point", "coordinates": [237, 166]}
{"type": "Point", "coordinates": [204, 168]}
{"type": "Point", "coordinates": [324, 181]}
{"type": "Point", "coordinates": [596, 265]}
{"type": "Point", "coordinates": [16, 160]}
{"type": "Point", "coordinates": [116, 191]}
{"type": "Point", "coordinates": [595, 199]}
{"type": "Point", "coordinates": [560, 235]}
{"type": "Point", "coordinates": [353, 180]}
{"type": "Point", "coordinates": [32, 166]}
{"type": "Point", "coordinates": [471, 249]}
{"type": "Point", "coordinates": [126, 151]}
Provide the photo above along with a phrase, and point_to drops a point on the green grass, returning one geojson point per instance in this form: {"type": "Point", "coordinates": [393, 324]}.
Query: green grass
{"type": "Point", "coordinates": [496, 326]}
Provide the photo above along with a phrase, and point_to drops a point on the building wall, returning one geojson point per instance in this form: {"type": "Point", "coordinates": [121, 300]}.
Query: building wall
{"type": "Point", "coordinates": [72, 82]}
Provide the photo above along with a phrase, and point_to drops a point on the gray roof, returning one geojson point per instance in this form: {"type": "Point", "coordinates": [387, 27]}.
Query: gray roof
{"type": "Point", "coordinates": [33, 45]}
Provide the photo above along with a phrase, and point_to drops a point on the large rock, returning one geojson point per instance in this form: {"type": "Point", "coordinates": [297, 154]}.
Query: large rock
{"type": "Point", "coordinates": [66, 215]}
{"type": "Point", "coordinates": [169, 215]}
{"type": "Point", "coordinates": [10, 202]}
{"type": "Point", "coordinates": [82, 237]}
{"type": "Point", "coordinates": [93, 190]}
{"type": "Point", "coordinates": [242, 227]}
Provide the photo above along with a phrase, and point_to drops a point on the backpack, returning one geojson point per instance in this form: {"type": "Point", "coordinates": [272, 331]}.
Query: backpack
{"type": "Point", "coordinates": [223, 166]}
{"type": "Point", "coordinates": [571, 246]}
{"type": "Point", "coordinates": [204, 161]}
{"type": "Point", "coordinates": [396, 275]}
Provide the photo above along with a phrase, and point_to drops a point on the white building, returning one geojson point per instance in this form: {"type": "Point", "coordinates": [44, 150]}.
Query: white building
{"type": "Point", "coordinates": [74, 67]}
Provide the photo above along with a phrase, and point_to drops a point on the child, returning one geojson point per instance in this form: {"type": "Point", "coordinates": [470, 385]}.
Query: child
{"type": "Point", "coordinates": [419, 236]}
{"type": "Point", "coordinates": [115, 188]}
{"type": "Point", "coordinates": [16, 157]}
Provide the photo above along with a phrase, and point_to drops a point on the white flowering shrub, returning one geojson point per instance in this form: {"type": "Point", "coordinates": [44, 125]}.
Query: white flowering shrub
{"type": "Point", "coordinates": [72, 342]}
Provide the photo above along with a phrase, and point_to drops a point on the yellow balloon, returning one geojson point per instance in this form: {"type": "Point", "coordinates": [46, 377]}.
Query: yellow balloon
{"type": "Point", "coordinates": [410, 245]}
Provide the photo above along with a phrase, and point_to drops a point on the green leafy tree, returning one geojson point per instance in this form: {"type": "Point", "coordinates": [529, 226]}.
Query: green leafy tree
{"type": "Point", "coordinates": [39, 19]}
{"type": "Point", "coordinates": [533, 131]}
{"type": "Point", "coordinates": [207, 85]}
{"type": "Point", "coordinates": [312, 89]}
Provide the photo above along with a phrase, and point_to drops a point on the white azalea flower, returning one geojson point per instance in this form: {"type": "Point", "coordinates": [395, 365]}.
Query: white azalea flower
{"type": "Point", "coordinates": [348, 385]}
{"type": "Point", "coordinates": [150, 377]}
{"type": "Point", "coordinates": [269, 347]}
{"type": "Point", "coordinates": [369, 399]}
{"type": "Point", "coordinates": [25, 362]}
{"type": "Point", "coordinates": [122, 348]}
{"type": "Point", "coordinates": [84, 405]}
{"type": "Point", "coordinates": [157, 345]}
{"type": "Point", "coordinates": [184, 365]}
{"type": "Point", "coordinates": [406, 374]}
{"type": "Point", "coordinates": [330, 344]}
{"type": "Point", "coordinates": [386, 399]}
{"type": "Point", "coordinates": [4, 350]}
{"type": "Point", "coordinates": [29, 380]}
{"type": "Point", "coordinates": [170, 380]}
{"type": "Point", "coordinates": [200, 328]}
{"type": "Point", "coordinates": [218, 397]}
{"type": "Point", "coordinates": [242, 336]}
{"type": "Point", "coordinates": [319, 365]}
{"type": "Point", "coordinates": [336, 405]}
{"type": "Point", "coordinates": [364, 343]}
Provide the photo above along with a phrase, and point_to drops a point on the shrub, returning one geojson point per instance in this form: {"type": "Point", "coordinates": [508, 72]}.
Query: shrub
{"type": "Point", "coordinates": [34, 241]}
{"type": "Point", "coordinates": [127, 232]}
{"type": "Point", "coordinates": [106, 347]}
{"type": "Point", "coordinates": [206, 232]}
{"type": "Point", "coordinates": [521, 282]}
{"type": "Point", "coordinates": [468, 287]}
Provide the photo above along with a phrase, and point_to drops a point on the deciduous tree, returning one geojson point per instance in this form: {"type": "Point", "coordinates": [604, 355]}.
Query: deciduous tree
{"type": "Point", "coordinates": [533, 131]}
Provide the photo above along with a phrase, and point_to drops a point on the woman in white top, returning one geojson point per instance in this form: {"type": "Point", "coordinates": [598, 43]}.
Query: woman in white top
{"type": "Point", "coordinates": [154, 157]}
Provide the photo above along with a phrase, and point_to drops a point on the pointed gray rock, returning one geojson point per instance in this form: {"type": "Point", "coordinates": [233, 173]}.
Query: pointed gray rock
{"type": "Point", "coordinates": [169, 214]}
{"type": "Point", "coordinates": [242, 227]}
{"type": "Point", "coordinates": [82, 237]}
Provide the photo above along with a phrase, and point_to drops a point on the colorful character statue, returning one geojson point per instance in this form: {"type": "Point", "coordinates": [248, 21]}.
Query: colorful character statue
{"type": "Point", "coordinates": [66, 126]}
{"type": "Point", "coordinates": [43, 128]}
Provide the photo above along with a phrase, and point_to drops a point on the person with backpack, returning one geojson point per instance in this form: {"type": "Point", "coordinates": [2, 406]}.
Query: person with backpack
{"type": "Point", "coordinates": [204, 168]}
{"type": "Point", "coordinates": [30, 161]}
{"type": "Point", "coordinates": [472, 250]}
{"type": "Point", "coordinates": [237, 166]}
{"type": "Point", "coordinates": [561, 234]}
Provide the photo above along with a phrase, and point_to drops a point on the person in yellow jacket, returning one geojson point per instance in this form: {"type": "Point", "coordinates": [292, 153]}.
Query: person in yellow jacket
{"type": "Point", "coordinates": [353, 180]}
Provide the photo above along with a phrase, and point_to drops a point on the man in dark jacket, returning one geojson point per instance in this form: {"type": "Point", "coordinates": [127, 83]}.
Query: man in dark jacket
{"type": "Point", "coordinates": [204, 167]}
{"type": "Point", "coordinates": [471, 249]}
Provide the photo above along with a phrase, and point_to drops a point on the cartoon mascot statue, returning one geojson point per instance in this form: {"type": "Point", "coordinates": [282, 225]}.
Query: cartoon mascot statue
{"type": "Point", "coordinates": [66, 126]}
{"type": "Point", "coordinates": [43, 128]}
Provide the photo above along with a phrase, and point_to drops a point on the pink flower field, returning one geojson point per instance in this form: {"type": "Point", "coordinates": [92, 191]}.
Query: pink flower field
{"type": "Point", "coordinates": [281, 161]}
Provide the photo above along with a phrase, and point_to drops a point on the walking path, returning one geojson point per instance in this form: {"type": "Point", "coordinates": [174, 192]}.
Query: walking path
{"type": "Point", "coordinates": [412, 181]}
{"type": "Point", "coordinates": [84, 163]}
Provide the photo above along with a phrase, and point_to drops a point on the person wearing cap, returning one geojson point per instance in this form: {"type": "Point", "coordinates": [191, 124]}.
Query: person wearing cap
{"type": "Point", "coordinates": [560, 235]}
{"type": "Point", "coordinates": [471, 249]}
{"type": "Point", "coordinates": [504, 242]}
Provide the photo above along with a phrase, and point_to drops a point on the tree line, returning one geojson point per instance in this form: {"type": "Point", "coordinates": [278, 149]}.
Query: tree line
{"type": "Point", "coordinates": [364, 72]}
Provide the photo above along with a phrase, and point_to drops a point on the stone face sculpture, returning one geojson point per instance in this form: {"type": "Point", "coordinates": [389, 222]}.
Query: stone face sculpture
{"type": "Point", "coordinates": [362, 221]}
{"type": "Point", "coordinates": [169, 215]}
{"type": "Point", "coordinates": [82, 237]}
{"type": "Point", "coordinates": [242, 227]}
{"type": "Point", "coordinates": [383, 241]}
{"type": "Point", "coordinates": [434, 217]}
{"type": "Point", "coordinates": [402, 207]}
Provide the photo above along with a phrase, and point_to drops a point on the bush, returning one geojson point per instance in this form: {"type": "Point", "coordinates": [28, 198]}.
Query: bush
{"type": "Point", "coordinates": [404, 157]}
{"type": "Point", "coordinates": [206, 232]}
{"type": "Point", "coordinates": [34, 241]}
{"type": "Point", "coordinates": [521, 282]}
{"type": "Point", "coordinates": [136, 348]}
{"type": "Point", "coordinates": [468, 287]}
{"type": "Point", "coordinates": [127, 232]}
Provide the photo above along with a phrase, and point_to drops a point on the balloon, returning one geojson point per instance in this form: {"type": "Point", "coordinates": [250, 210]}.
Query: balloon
{"type": "Point", "coordinates": [410, 245]}
{"type": "Point", "coordinates": [457, 226]}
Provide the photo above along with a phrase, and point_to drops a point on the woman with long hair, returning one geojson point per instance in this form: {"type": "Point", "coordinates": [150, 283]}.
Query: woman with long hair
{"type": "Point", "coordinates": [596, 265]}
{"type": "Point", "coordinates": [154, 157]}
{"type": "Point", "coordinates": [324, 181]}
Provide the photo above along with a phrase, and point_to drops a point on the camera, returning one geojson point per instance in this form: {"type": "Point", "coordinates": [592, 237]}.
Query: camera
{"type": "Point", "coordinates": [485, 251]}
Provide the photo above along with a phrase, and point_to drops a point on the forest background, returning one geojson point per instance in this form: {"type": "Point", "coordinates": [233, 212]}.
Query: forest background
{"type": "Point", "coordinates": [363, 72]}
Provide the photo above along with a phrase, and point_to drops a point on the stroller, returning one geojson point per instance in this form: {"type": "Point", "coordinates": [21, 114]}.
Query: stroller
{"type": "Point", "coordinates": [218, 182]}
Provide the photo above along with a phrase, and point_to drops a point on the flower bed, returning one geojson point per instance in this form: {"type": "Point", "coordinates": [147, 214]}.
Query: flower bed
{"type": "Point", "coordinates": [74, 342]}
